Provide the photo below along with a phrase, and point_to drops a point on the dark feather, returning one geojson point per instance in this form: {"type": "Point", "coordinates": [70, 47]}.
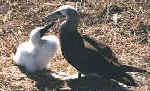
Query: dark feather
{"type": "Point", "coordinates": [90, 56]}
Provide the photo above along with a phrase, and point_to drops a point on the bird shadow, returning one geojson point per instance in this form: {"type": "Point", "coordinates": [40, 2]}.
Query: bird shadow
{"type": "Point", "coordinates": [43, 79]}
{"type": "Point", "coordinates": [95, 84]}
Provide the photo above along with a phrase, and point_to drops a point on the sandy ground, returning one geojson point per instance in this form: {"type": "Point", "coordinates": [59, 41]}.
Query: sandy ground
{"type": "Point", "coordinates": [128, 37]}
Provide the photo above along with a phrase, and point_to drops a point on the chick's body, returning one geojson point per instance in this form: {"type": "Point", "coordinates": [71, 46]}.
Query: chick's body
{"type": "Point", "coordinates": [36, 55]}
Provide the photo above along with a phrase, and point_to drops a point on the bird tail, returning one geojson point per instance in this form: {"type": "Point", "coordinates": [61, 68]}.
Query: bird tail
{"type": "Point", "coordinates": [126, 68]}
{"type": "Point", "coordinates": [125, 78]}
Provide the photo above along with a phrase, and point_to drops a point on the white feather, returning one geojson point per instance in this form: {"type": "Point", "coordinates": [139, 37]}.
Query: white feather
{"type": "Point", "coordinates": [36, 53]}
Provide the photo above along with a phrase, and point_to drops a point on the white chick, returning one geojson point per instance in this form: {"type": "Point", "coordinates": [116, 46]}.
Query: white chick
{"type": "Point", "coordinates": [35, 53]}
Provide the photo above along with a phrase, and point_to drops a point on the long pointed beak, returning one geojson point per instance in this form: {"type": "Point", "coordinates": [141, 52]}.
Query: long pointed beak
{"type": "Point", "coordinates": [45, 29]}
{"type": "Point", "coordinates": [52, 16]}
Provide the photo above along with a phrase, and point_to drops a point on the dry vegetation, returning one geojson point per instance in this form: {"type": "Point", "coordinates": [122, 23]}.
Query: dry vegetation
{"type": "Point", "coordinates": [129, 40]}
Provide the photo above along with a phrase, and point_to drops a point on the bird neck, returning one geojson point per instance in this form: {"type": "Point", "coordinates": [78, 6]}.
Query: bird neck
{"type": "Point", "coordinates": [73, 18]}
{"type": "Point", "coordinates": [35, 41]}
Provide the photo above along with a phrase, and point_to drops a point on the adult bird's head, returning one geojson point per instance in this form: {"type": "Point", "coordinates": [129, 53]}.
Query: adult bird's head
{"type": "Point", "coordinates": [65, 10]}
{"type": "Point", "coordinates": [38, 32]}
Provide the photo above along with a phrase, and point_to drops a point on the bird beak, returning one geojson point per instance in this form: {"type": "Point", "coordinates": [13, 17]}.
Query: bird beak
{"type": "Point", "coordinates": [54, 15]}
{"type": "Point", "coordinates": [45, 29]}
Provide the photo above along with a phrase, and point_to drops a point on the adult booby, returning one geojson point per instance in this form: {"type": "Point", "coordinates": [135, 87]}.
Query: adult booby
{"type": "Point", "coordinates": [35, 53]}
{"type": "Point", "coordinates": [84, 58]}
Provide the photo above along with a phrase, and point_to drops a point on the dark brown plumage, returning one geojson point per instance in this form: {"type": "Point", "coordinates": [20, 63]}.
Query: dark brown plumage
{"type": "Point", "coordinates": [85, 54]}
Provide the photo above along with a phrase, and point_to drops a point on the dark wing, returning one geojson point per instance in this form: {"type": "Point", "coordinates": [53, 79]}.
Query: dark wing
{"type": "Point", "coordinates": [101, 48]}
